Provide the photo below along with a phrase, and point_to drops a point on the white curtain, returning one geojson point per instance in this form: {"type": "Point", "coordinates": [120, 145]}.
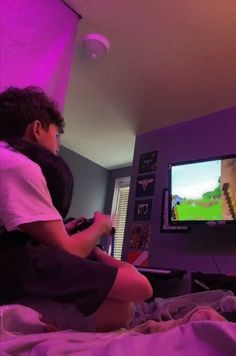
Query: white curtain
{"type": "Point", "coordinates": [37, 39]}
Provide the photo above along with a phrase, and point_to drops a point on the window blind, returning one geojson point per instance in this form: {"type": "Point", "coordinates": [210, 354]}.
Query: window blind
{"type": "Point", "coordinates": [119, 210]}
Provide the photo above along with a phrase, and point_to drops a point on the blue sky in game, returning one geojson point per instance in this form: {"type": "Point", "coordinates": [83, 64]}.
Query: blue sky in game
{"type": "Point", "coordinates": [190, 181]}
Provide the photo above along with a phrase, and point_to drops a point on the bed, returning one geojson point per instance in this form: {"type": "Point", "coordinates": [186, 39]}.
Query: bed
{"type": "Point", "coordinates": [200, 331]}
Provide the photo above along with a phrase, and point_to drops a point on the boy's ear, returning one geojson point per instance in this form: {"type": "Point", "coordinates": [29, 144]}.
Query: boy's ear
{"type": "Point", "coordinates": [36, 130]}
{"type": "Point", "coordinates": [33, 131]}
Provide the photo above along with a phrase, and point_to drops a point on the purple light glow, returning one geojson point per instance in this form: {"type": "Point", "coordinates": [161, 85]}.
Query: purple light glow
{"type": "Point", "coordinates": [37, 43]}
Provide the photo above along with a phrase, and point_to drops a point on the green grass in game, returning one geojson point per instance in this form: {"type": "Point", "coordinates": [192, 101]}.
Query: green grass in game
{"type": "Point", "coordinates": [200, 209]}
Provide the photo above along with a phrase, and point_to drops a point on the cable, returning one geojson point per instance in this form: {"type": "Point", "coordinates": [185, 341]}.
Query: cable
{"type": "Point", "coordinates": [211, 255]}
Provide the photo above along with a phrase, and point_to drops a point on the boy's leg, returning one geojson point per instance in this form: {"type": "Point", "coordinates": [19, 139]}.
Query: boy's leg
{"type": "Point", "coordinates": [112, 314]}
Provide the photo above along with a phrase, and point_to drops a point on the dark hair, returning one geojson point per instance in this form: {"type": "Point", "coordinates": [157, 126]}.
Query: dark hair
{"type": "Point", "coordinates": [55, 170]}
{"type": "Point", "coordinates": [20, 107]}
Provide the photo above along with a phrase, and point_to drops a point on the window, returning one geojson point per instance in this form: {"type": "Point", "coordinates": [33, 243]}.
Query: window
{"type": "Point", "coordinates": [119, 211]}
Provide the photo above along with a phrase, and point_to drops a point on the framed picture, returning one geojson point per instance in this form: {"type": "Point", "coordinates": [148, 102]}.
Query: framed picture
{"type": "Point", "coordinates": [138, 258]}
{"type": "Point", "coordinates": [145, 185]}
{"type": "Point", "coordinates": [165, 226]}
{"type": "Point", "coordinates": [140, 236]}
{"type": "Point", "coordinates": [148, 162]}
{"type": "Point", "coordinates": [143, 209]}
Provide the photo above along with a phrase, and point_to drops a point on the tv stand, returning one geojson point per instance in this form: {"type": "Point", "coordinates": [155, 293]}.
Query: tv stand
{"type": "Point", "coordinates": [162, 272]}
{"type": "Point", "coordinates": [163, 280]}
{"type": "Point", "coordinates": [208, 281]}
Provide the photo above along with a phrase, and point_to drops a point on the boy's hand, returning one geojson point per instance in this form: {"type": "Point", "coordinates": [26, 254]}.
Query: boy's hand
{"type": "Point", "coordinates": [103, 222]}
{"type": "Point", "coordinates": [72, 224]}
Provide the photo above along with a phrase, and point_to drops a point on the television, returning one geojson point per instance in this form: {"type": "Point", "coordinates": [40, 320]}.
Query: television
{"type": "Point", "coordinates": [203, 191]}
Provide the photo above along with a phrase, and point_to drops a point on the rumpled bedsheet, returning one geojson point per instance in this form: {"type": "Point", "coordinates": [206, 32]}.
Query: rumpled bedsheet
{"type": "Point", "coordinates": [23, 333]}
{"type": "Point", "coordinates": [166, 309]}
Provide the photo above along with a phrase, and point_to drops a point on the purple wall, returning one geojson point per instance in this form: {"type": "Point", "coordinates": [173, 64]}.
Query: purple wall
{"type": "Point", "coordinates": [204, 137]}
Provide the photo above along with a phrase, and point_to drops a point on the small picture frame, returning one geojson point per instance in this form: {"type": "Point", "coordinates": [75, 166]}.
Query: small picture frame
{"type": "Point", "coordinates": [148, 162]}
{"type": "Point", "coordinates": [165, 226]}
{"type": "Point", "coordinates": [138, 258]}
{"type": "Point", "coordinates": [145, 185]}
{"type": "Point", "coordinates": [143, 209]}
{"type": "Point", "coordinates": [140, 236]}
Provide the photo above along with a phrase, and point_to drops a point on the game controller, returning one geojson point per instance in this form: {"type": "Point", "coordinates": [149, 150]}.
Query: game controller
{"type": "Point", "coordinates": [84, 225]}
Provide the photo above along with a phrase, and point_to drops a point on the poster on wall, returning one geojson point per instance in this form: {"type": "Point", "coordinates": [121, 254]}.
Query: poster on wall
{"type": "Point", "coordinates": [138, 258]}
{"type": "Point", "coordinates": [140, 236]}
{"type": "Point", "coordinates": [143, 209]}
{"type": "Point", "coordinates": [165, 226]}
{"type": "Point", "coordinates": [145, 185]}
{"type": "Point", "coordinates": [148, 162]}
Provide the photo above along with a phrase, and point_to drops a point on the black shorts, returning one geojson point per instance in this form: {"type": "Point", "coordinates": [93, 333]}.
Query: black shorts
{"type": "Point", "coordinates": [40, 271]}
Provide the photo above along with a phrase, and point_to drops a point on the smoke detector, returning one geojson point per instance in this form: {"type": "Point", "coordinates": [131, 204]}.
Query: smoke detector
{"type": "Point", "coordinates": [94, 46]}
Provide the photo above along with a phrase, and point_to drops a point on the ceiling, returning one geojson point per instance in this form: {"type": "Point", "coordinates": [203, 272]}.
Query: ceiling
{"type": "Point", "coordinates": [170, 61]}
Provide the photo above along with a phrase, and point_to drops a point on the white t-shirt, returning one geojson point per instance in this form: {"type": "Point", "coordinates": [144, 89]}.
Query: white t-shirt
{"type": "Point", "coordinates": [24, 196]}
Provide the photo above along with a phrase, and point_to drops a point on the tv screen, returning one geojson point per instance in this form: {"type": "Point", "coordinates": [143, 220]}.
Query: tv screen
{"type": "Point", "coordinates": [203, 191]}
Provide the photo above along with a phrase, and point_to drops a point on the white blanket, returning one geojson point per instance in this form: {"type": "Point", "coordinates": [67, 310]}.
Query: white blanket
{"type": "Point", "coordinates": [22, 333]}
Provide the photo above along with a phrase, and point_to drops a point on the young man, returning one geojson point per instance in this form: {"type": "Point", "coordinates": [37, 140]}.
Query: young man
{"type": "Point", "coordinates": [57, 268]}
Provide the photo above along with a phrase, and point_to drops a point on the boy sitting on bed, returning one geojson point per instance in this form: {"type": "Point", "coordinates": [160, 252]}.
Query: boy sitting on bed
{"type": "Point", "coordinates": [38, 257]}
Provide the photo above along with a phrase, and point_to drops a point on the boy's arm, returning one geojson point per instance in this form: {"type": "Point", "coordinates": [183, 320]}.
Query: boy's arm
{"type": "Point", "coordinates": [80, 244]}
